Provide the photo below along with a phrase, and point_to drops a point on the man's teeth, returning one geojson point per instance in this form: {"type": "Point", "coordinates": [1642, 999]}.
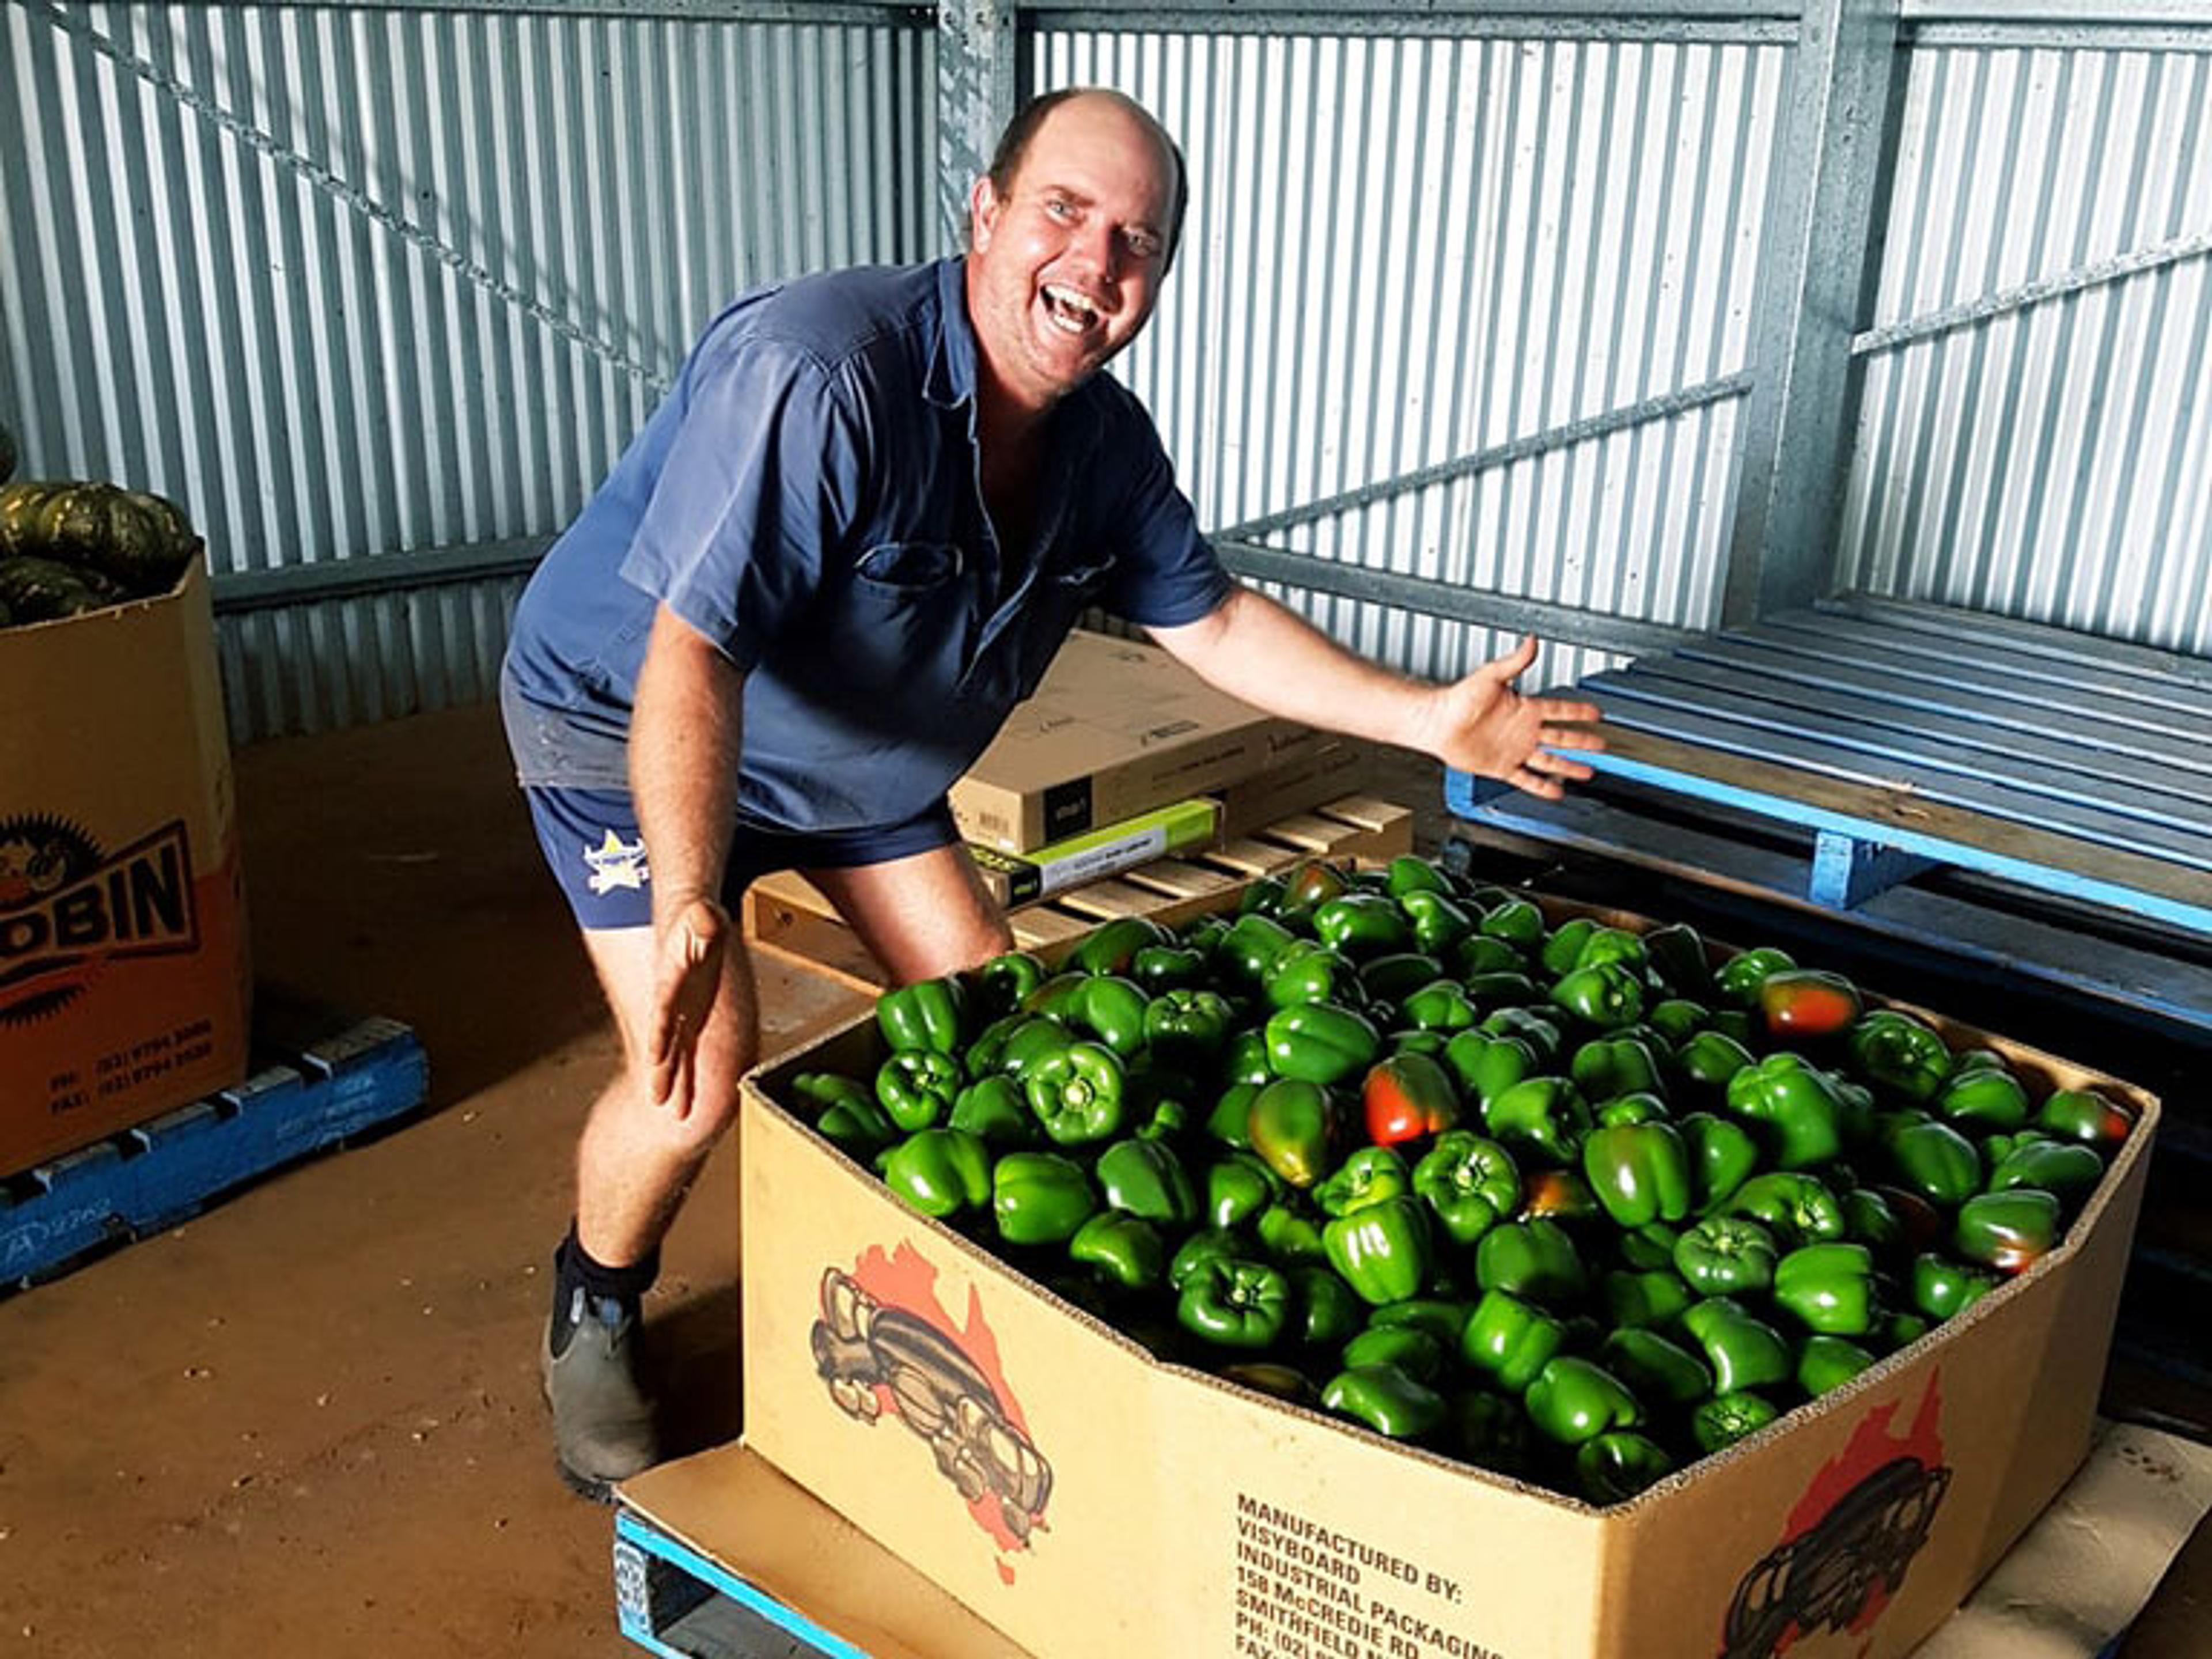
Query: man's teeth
{"type": "Point", "coordinates": [1070, 310]}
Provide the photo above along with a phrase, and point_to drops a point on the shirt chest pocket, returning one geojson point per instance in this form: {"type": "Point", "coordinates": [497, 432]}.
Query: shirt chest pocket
{"type": "Point", "coordinates": [905, 615]}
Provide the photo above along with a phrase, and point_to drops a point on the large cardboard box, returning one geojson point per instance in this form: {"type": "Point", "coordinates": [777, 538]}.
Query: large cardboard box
{"type": "Point", "coordinates": [1116, 728]}
{"type": "Point", "coordinates": [1091, 1502]}
{"type": "Point", "coordinates": [123, 978]}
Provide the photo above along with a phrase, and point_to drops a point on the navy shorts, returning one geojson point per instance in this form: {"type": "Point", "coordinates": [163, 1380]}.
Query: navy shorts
{"type": "Point", "coordinates": [591, 840]}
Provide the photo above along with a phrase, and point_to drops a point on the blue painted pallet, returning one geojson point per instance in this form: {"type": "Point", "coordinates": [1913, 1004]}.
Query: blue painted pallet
{"type": "Point", "coordinates": [1906, 735]}
{"type": "Point", "coordinates": [166, 1171]}
{"type": "Point", "coordinates": [674, 1601]}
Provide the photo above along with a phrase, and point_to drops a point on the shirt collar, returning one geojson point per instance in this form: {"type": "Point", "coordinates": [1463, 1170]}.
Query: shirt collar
{"type": "Point", "coordinates": [951, 379]}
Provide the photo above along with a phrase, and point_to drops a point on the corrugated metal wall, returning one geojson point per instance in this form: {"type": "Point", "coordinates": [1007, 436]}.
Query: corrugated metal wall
{"type": "Point", "coordinates": [2035, 433]}
{"type": "Point", "coordinates": [379, 294]}
{"type": "Point", "coordinates": [1408, 252]}
{"type": "Point", "coordinates": [359, 285]}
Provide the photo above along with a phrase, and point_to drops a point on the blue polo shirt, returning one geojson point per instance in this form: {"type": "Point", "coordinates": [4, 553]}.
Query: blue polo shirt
{"type": "Point", "coordinates": [807, 497]}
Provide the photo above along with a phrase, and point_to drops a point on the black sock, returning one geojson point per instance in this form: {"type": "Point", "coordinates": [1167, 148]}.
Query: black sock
{"type": "Point", "coordinates": [574, 1270]}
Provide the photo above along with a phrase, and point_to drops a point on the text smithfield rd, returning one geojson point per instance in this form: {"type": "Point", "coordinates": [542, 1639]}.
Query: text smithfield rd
{"type": "Point", "coordinates": [1308, 1591]}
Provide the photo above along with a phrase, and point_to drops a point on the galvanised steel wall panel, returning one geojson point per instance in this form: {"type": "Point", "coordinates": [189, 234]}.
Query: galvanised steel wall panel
{"type": "Point", "coordinates": [347, 282]}
{"type": "Point", "coordinates": [2035, 433]}
{"type": "Point", "coordinates": [1404, 250]}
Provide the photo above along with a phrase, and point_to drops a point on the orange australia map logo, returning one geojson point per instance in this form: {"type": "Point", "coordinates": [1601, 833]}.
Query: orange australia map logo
{"type": "Point", "coordinates": [884, 1346]}
{"type": "Point", "coordinates": [1847, 1544]}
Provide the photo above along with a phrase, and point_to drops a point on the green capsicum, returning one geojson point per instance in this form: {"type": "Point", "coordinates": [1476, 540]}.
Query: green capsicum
{"type": "Point", "coordinates": [2008, 1231]}
{"type": "Point", "coordinates": [1934, 1160]}
{"type": "Point", "coordinates": [1574, 1400]}
{"type": "Point", "coordinates": [1409, 872]}
{"type": "Point", "coordinates": [1159, 968]}
{"type": "Point", "coordinates": [1485, 1066]}
{"type": "Point", "coordinates": [917, 1087]}
{"type": "Point", "coordinates": [1310, 972]}
{"type": "Point", "coordinates": [1707, 1060]}
{"type": "Point", "coordinates": [1605, 1068]}
{"type": "Point", "coordinates": [1794, 1106]}
{"type": "Point", "coordinates": [1078, 1093]}
{"type": "Point", "coordinates": [1386, 1400]}
{"type": "Point", "coordinates": [1233, 1302]}
{"type": "Point", "coordinates": [1516, 920]}
{"type": "Point", "coordinates": [995, 1111]}
{"type": "Point", "coordinates": [1127, 1249]}
{"type": "Point", "coordinates": [1727, 1255]}
{"type": "Point", "coordinates": [1145, 1177]}
{"type": "Point", "coordinates": [1110, 1009]}
{"type": "Point", "coordinates": [930, 1013]}
{"type": "Point", "coordinates": [1723, 1157]}
{"type": "Point", "coordinates": [1654, 1299]}
{"type": "Point", "coordinates": [1510, 1339]}
{"type": "Point", "coordinates": [1439, 922]}
{"type": "Point", "coordinates": [1413, 1351]}
{"type": "Point", "coordinates": [1739, 978]}
{"type": "Point", "coordinates": [1797, 1208]}
{"type": "Point", "coordinates": [1943, 1287]}
{"type": "Point", "coordinates": [1611, 1468]}
{"type": "Point", "coordinates": [1744, 1350]}
{"type": "Point", "coordinates": [1607, 994]}
{"type": "Point", "coordinates": [938, 1172]}
{"type": "Point", "coordinates": [1562, 948]}
{"type": "Point", "coordinates": [1110, 947]}
{"type": "Point", "coordinates": [1469, 1182]}
{"type": "Point", "coordinates": [1536, 1259]}
{"type": "Point", "coordinates": [1363, 924]}
{"type": "Point", "coordinates": [1040, 1198]}
{"type": "Point", "coordinates": [1292, 1126]}
{"type": "Point", "coordinates": [1985, 1101]}
{"type": "Point", "coordinates": [1321, 1042]}
{"type": "Point", "coordinates": [1289, 1232]}
{"type": "Point", "coordinates": [1004, 983]}
{"type": "Point", "coordinates": [1829, 1288]}
{"type": "Point", "coordinates": [1369, 1176]}
{"type": "Point", "coordinates": [1238, 1188]}
{"type": "Point", "coordinates": [2087, 1115]}
{"type": "Point", "coordinates": [846, 1112]}
{"type": "Point", "coordinates": [2068, 1169]}
{"type": "Point", "coordinates": [1900, 1053]}
{"type": "Point", "coordinates": [1326, 1313]}
{"type": "Point", "coordinates": [1655, 1368]}
{"type": "Point", "coordinates": [1678, 956]}
{"type": "Point", "coordinates": [1544, 1116]}
{"type": "Point", "coordinates": [1828, 1362]}
{"type": "Point", "coordinates": [1639, 1171]}
{"type": "Point", "coordinates": [1726, 1419]}
{"type": "Point", "coordinates": [1442, 1004]}
{"type": "Point", "coordinates": [1382, 1250]}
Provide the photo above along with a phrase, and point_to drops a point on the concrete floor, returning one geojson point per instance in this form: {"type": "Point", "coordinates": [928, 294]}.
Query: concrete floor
{"type": "Point", "coordinates": [309, 1419]}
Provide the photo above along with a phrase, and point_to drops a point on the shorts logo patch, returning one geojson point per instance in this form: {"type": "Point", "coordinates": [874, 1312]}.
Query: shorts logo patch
{"type": "Point", "coordinates": [617, 863]}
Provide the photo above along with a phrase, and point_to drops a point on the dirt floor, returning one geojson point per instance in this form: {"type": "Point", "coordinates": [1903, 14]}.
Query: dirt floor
{"type": "Point", "coordinates": [309, 1419]}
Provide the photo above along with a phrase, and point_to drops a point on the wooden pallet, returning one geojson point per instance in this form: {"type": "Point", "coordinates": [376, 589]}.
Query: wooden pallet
{"type": "Point", "coordinates": [786, 917]}
{"type": "Point", "coordinates": [1839, 754]}
{"type": "Point", "coordinates": [301, 1100]}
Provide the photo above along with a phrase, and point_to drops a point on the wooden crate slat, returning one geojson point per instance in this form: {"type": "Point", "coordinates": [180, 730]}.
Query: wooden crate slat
{"type": "Point", "coordinates": [1040, 924]}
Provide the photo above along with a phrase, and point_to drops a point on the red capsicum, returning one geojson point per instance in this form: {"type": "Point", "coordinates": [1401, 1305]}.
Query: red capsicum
{"type": "Point", "coordinates": [1407, 1098]}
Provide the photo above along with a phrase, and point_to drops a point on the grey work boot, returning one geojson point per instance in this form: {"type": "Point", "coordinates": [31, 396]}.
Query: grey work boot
{"type": "Point", "coordinates": [602, 1418]}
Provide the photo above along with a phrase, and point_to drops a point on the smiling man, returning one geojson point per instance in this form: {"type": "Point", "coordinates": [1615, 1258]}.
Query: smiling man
{"type": "Point", "coordinates": [850, 540]}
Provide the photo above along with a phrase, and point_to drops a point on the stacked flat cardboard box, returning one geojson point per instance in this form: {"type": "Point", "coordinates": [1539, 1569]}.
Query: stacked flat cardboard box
{"type": "Point", "coordinates": [1089, 1501]}
{"type": "Point", "coordinates": [1124, 756]}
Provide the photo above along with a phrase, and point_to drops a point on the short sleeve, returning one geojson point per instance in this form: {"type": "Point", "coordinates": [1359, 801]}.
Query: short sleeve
{"type": "Point", "coordinates": [756, 494]}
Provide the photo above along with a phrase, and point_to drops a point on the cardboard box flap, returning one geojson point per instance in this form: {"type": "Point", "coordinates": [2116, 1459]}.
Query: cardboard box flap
{"type": "Point", "coordinates": [738, 1512]}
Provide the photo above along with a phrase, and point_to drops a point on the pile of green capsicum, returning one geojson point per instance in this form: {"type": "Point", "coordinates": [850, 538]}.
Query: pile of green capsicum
{"type": "Point", "coordinates": [1576, 1202]}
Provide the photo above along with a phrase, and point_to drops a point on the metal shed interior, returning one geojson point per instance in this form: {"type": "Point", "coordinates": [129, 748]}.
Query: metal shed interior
{"type": "Point", "coordinates": [1619, 325]}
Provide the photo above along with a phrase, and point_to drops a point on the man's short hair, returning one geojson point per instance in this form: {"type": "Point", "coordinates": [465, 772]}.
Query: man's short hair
{"type": "Point", "coordinates": [1014, 143]}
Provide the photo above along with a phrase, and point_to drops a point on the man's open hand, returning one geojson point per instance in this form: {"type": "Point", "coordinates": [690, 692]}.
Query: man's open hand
{"type": "Point", "coordinates": [1486, 726]}
{"type": "Point", "coordinates": [687, 974]}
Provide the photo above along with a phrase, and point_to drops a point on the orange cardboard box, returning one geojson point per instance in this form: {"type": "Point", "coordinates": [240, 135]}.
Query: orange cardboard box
{"type": "Point", "coordinates": [124, 986]}
{"type": "Point", "coordinates": [1092, 1502]}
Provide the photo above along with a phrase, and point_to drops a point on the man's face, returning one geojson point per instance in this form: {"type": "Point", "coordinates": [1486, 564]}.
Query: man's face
{"type": "Point", "coordinates": [1068, 264]}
